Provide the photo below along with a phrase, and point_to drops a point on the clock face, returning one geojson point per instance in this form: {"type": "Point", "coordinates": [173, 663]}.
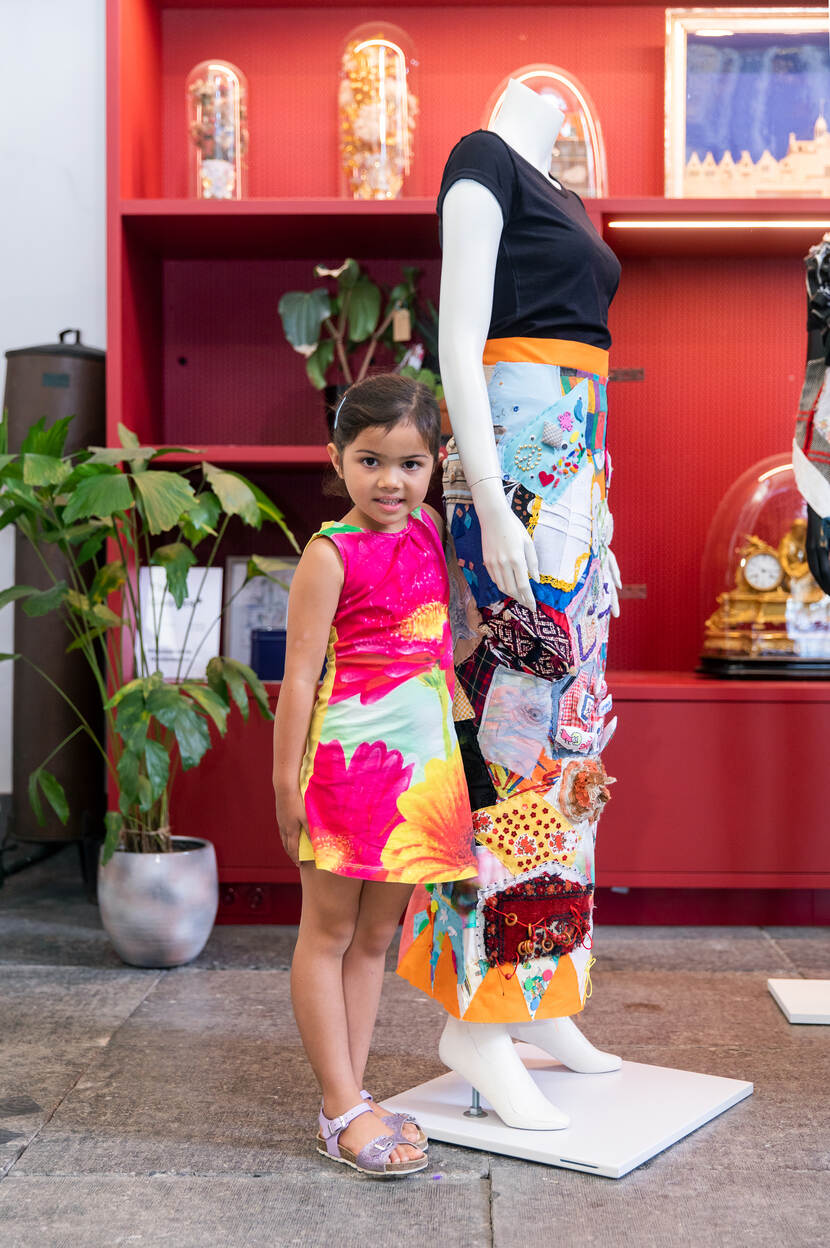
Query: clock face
{"type": "Point", "coordinates": [763, 572]}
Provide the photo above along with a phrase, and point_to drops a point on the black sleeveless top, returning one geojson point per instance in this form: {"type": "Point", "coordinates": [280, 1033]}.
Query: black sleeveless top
{"type": "Point", "coordinates": [555, 276]}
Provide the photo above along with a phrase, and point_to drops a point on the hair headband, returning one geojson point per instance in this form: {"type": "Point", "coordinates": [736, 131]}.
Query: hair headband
{"type": "Point", "coordinates": [337, 413]}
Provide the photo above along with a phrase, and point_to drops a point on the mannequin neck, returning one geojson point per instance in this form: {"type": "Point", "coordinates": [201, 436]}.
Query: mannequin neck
{"type": "Point", "coordinates": [529, 124]}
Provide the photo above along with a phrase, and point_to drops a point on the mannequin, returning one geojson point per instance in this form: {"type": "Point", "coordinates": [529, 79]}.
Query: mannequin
{"type": "Point", "coordinates": [473, 220]}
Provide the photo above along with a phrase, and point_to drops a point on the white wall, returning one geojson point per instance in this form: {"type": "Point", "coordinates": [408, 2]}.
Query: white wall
{"type": "Point", "coordinates": [52, 205]}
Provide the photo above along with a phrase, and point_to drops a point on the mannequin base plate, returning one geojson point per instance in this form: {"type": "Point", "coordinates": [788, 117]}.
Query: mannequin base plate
{"type": "Point", "coordinates": [618, 1120]}
{"type": "Point", "coordinates": [802, 1000]}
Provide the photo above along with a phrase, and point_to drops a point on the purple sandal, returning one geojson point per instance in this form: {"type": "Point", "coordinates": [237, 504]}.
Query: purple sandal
{"type": "Point", "coordinates": [398, 1121]}
{"type": "Point", "coordinates": [373, 1158]}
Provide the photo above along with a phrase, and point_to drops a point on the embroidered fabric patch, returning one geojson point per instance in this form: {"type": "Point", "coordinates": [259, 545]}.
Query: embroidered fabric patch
{"type": "Point", "coordinates": [528, 459]}
{"type": "Point", "coordinates": [542, 917]}
{"type": "Point", "coordinates": [466, 534]}
{"type": "Point", "coordinates": [525, 832]}
{"type": "Point", "coordinates": [536, 642]}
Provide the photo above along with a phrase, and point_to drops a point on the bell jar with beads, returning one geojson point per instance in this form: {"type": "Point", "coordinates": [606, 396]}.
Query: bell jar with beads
{"type": "Point", "coordinates": [216, 96]}
{"type": "Point", "coordinates": [578, 156]}
{"type": "Point", "coordinates": [764, 614]}
{"type": "Point", "coordinates": [378, 109]}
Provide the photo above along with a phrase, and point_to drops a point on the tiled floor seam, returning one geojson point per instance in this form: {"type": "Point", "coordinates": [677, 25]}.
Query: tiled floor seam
{"type": "Point", "coordinates": [781, 953]}
{"type": "Point", "coordinates": [9, 1167]}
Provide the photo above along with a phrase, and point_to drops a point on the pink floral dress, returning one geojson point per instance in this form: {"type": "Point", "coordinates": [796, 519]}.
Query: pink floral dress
{"type": "Point", "coordinates": [382, 777]}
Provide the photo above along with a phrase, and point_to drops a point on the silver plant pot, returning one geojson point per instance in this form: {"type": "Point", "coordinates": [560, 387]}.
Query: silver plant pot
{"type": "Point", "coordinates": [159, 909]}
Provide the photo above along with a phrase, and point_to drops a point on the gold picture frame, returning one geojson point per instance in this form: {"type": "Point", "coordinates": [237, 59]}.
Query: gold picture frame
{"type": "Point", "coordinates": [747, 79]}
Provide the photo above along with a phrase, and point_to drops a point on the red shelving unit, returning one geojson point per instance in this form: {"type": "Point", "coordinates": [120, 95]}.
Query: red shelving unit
{"type": "Point", "coordinates": [710, 315]}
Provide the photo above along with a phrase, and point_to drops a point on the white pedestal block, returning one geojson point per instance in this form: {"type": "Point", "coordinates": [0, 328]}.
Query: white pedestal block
{"type": "Point", "coordinates": [802, 1000]}
{"type": "Point", "coordinates": [618, 1120]}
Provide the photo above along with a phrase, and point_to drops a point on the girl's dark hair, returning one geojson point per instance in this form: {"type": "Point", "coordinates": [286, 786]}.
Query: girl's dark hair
{"type": "Point", "coordinates": [384, 400]}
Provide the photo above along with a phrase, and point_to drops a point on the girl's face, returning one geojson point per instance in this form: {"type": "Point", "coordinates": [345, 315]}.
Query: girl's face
{"type": "Point", "coordinates": [387, 473]}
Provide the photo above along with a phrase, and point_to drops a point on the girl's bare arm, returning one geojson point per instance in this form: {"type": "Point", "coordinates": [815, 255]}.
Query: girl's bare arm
{"type": "Point", "coordinates": [312, 602]}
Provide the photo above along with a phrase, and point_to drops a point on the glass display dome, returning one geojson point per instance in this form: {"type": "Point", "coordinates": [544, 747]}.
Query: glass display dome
{"type": "Point", "coordinates": [216, 97]}
{"type": "Point", "coordinates": [764, 614]}
{"type": "Point", "coordinates": [578, 158]}
{"type": "Point", "coordinates": [377, 111]}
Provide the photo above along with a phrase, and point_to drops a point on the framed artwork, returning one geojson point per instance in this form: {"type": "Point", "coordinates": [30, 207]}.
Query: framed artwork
{"type": "Point", "coordinates": [184, 638]}
{"type": "Point", "coordinates": [262, 603]}
{"type": "Point", "coordinates": [747, 101]}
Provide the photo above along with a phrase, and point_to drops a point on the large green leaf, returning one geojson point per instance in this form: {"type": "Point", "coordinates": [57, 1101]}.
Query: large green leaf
{"type": "Point", "coordinates": [100, 614]}
{"type": "Point", "coordinates": [232, 679]}
{"type": "Point", "coordinates": [209, 700]}
{"type": "Point", "coordinates": [269, 510]}
{"type": "Point", "coordinates": [102, 495]}
{"type": "Point", "coordinates": [127, 769]}
{"type": "Point", "coordinates": [42, 441]}
{"type": "Point", "coordinates": [319, 362]}
{"type": "Point", "coordinates": [234, 493]}
{"type": "Point", "coordinates": [202, 517]}
{"type": "Point", "coordinates": [43, 601]}
{"type": "Point", "coordinates": [302, 313]}
{"type": "Point", "coordinates": [176, 559]}
{"type": "Point", "coordinates": [39, 470]}
{"type": "Point", "coordinates": [164, 497]}
{"type": "Point", "coordinates": [268, 566]}
{"type": "Point", "coordinates": [364, 309]}
{"type": "Point", "coordinates": [131, 714]}
{"type": "Point", "coordinates": [14, 592]}
{"type": "Point", "coordinates": [53, 791]}
{"type": "Point", "coordinates": [158, 767]}
{"type": "Point", "coordinates": [177, 712]}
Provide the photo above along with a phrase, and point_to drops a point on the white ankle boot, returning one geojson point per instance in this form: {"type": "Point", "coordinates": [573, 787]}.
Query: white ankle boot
{"type": "Point", "coordinates": [484, 1055]}
{"type": "Point", "coordinates": [562, 1039]}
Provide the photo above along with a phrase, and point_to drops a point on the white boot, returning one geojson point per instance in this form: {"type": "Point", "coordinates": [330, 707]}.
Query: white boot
{"type": "Point", "coordinates": [562, 1039]}
{"type": "Point", "coordinates": [484, 1055]}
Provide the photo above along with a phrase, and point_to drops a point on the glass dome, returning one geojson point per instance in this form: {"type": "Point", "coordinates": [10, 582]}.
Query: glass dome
{"type": "Point", "coordinates": [216, 97]}
{"type": "Point", "coordinates": [578, 158]}
{"type": "Point", "coordinates": [764, 614]}
{"type": "Point", "coordinates": [377, 111]}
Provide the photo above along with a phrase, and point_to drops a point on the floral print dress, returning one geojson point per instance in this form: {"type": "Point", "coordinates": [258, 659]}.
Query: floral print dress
{"type": "Point", "coordinates": [382, 777]}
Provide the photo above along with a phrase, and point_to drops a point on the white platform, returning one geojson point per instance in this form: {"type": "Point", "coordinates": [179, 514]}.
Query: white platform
{"type": "Point", "coordinates": [802, 1000]}
{"type": "Point", "coordinates": [618, 1120]}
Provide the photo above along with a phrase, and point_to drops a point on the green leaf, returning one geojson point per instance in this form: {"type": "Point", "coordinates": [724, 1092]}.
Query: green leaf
{"type": "Point", "coordinates": [45, 470]}
{"type": "Point", "coordinates": [364, 310]}
{"type": "Point", "coordinates": [102, 495]}
{"type": "Point", "coordinates": [176, 559]}
{"type": "Point", "coordinates": [113, 823]}
{"type": "Point", "coordinates": [126, 437]}
{"type": "Point", "coordinates": [34, 799]}
{"type": "Point", "coordinates": [302, 313]}
{"type": "Point", "coordinates": [270, 511]}
{"type": "Point", "coordinates": [234, 493]}
{"type": "Point", "coordinates": [91, 547]}
{"type": "Point", "coordinates": [14, 592]}
{"type": "Point", "coordinates": [202, 517]}
{"type": "Point", "coordinates": [41, 602]}
{"type": "Point", "coordinates": [209, 701]}
{"type": "Point", "coordinates": [131, 714]}
{"type": "Point", "coordinates": [268, 566]}
{"type": "Point", "coordinates": [6, 657]}
{"type": "Point", "coordinates": [158, 767]}
{"type": "Point", "coordinates": [100, 614]}
{"type": "Point", "coordinates": [42, 441]}
{"type": "Point", "coordinates": [127, 780]}
{"type": "Point", "coordinates": [164, 496]}
{"type": "Point", "coordinates": [142, 684]}
{"type": "Point", "coordinates": [175, 711]}
{"type": "Point", "coordinates": [231, 675]}
{"type": "Point", "coordinates": [347, 275]}
{"type": "Point", "coordinates": [112, 456]}
{"type": "Point", "coordinates": [319, 362]}
{"type": "Point", "coordinates": [107, 580]}
{"type": "Point", "coordinates": [54, 793]}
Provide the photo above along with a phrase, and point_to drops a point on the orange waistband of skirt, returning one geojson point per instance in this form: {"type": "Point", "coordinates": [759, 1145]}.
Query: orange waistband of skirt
{"type": "Point", "coordinates": [559, 351]}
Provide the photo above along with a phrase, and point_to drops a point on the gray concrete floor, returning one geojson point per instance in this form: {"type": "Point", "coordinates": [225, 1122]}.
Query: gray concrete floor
{"type": "Point", "coordinates": [175, 1107]}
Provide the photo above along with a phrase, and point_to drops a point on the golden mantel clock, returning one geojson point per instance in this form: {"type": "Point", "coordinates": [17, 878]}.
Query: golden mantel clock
{"type": "Point", "coordinates": [770, 616]}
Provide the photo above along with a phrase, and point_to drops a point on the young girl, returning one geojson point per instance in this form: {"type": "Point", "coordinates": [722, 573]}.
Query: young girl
{"type": "Point", "coordinates": [370, 790]}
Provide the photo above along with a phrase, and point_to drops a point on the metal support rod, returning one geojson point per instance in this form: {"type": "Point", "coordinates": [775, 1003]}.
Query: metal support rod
{"type": "Point", "coordinates": [475, 1110]}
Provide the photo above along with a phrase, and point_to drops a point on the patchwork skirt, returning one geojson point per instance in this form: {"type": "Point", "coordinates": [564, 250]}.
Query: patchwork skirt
{"type": "Point", "coordinates": [531, 706]}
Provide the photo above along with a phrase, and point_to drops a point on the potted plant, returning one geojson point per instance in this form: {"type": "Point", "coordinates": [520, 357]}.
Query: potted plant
{"type": "Point", "coordinates": [110, 514]}
{"type": "Point", "coordinates": [339, 330]}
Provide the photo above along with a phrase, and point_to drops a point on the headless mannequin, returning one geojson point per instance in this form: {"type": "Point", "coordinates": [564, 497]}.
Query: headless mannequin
{"type": "Point", "coordinates": [483, 1053]}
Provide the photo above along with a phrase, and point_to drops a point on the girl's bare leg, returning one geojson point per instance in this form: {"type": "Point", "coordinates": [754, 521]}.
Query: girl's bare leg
{"type": "Point", "coordinates": [331, 905]}
{"type": "Point", "coordinates": [381, 907]}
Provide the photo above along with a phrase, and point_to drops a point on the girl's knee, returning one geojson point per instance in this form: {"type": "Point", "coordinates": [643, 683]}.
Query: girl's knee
{"type": "Point", "coordinates": [374, 938]}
